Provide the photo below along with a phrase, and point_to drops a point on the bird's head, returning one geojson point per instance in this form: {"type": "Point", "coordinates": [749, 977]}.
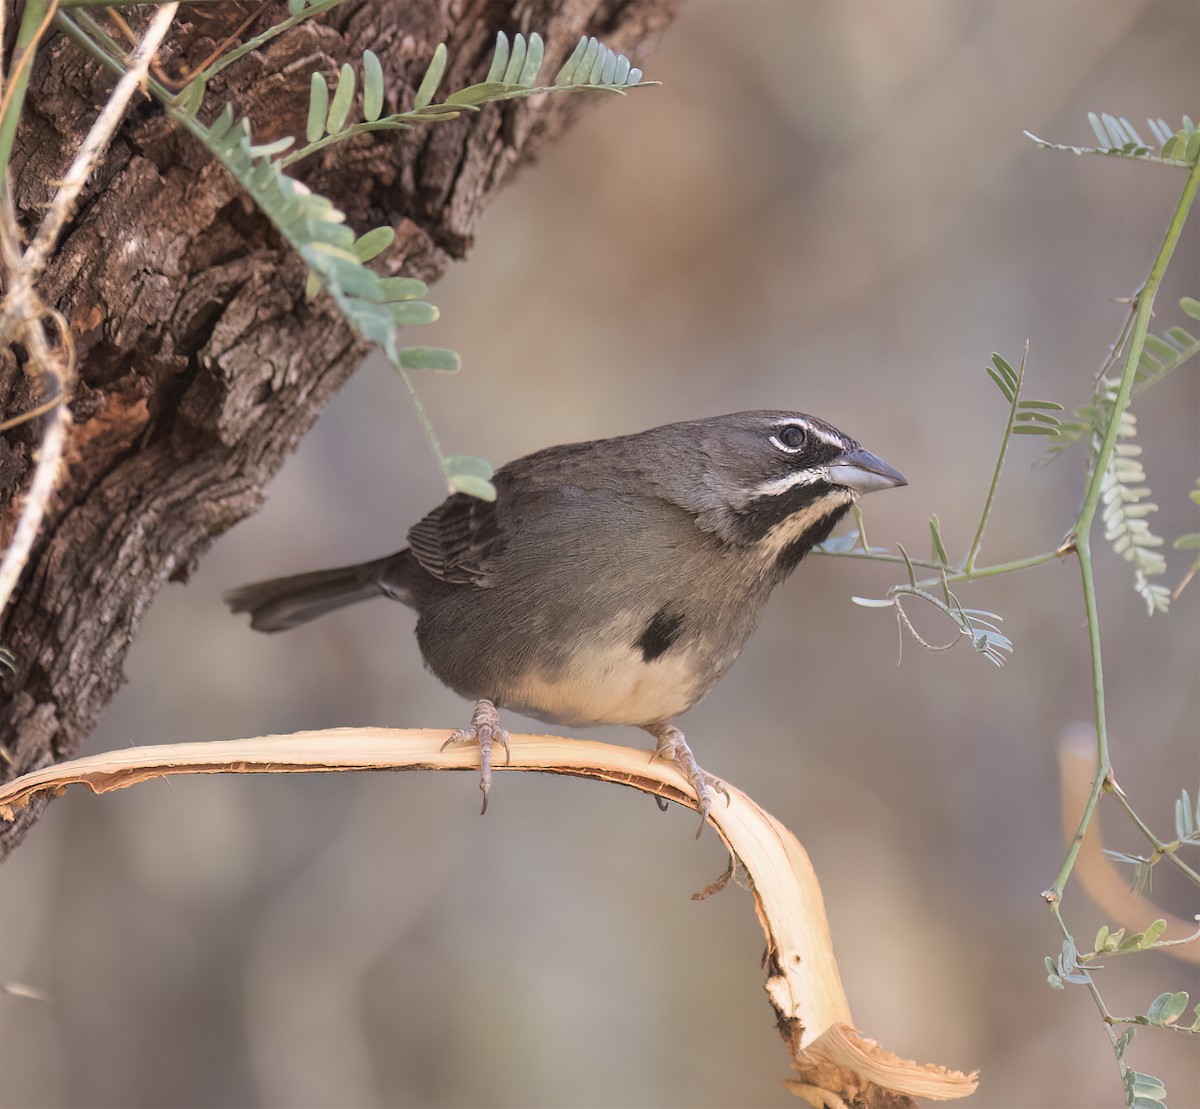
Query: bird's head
{"type": "Point", "coordinates": [777, 481]}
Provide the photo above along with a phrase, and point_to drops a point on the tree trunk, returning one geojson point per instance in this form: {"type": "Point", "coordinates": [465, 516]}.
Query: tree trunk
{"type": "Point", "coordinates": [201, 364]}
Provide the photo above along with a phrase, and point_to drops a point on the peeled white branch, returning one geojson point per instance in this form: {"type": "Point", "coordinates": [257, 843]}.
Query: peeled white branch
{"type": "Point", "coordinates": [835, 1064]}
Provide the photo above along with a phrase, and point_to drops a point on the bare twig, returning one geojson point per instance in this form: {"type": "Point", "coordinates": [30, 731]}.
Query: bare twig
{"type": "Point", "coordinates": [97, 140]}
{"type": "Point", "coordinates": [45, 478]}
{"type": "Point", "coordinates": [22, 317]}
{"type": "Point", "coordinates": [25, 315]}
{"type": "Point", "coordinates": [33, 413]}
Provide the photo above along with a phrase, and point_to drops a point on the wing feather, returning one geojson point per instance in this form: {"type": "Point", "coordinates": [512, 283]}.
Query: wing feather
{"type": "Point", "coordinates": [457, 541]}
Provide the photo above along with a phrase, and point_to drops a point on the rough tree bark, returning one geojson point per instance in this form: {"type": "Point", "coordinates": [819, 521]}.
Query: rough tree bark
{"type": "Point", "coordinates": [201, 364]}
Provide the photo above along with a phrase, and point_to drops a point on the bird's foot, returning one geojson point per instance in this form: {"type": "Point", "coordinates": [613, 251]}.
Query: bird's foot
{"type": "Point", "coordinates": [673, 747]}
{"type": "Point", "coordinates": [484, 730]}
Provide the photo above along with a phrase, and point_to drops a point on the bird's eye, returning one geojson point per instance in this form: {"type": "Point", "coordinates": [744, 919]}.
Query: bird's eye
{"type": "Point", "coordinates": [790, 438]}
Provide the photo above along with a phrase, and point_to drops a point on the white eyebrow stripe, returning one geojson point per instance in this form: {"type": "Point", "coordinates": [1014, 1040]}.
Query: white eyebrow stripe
{"type": "Point", "coordinates": [819, 433]}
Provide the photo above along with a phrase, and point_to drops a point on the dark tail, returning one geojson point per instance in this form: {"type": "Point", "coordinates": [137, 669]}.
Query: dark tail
{"type": "Point", "coordinates": [283, 603]}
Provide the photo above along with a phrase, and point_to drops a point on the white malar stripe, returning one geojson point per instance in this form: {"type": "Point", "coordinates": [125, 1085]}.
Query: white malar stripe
{"type": "Point", "coordinates": [785, 483]}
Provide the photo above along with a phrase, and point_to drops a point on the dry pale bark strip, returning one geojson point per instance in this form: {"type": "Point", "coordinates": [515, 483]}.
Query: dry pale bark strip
{"type": "Point", "coordinates": [200, 362]}
{"type": "Point", "coordinates": [803, 984]}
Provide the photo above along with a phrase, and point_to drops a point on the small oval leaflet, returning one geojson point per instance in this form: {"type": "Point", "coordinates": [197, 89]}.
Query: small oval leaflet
{"type": "Point", "coordinates": [343, 97]}
{"type": "Point", "coordinates": [473, 486]}
{"type": "Point", "coordinates": [318, 108]}
{"type": "Point", "coordinates": [373, 243]}
{"type": "Point", "coordinates": [432, 78]}
{"type": "Point", "coordinates": [372, 86]}
{"type": "Point", "coordinates": [464, 465]}
{"type": "Point", "coordinates": [437, 359]}
{"type": "Point", "coordinates": [402, 288]}
{"type": "Point", "coordinates": [412, 312]}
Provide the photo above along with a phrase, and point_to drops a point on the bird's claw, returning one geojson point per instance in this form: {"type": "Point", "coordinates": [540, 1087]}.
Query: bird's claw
{"type": "Point", "coordinates": [673, 748]}
{"type": "Point", "coordinates": [485, 731]}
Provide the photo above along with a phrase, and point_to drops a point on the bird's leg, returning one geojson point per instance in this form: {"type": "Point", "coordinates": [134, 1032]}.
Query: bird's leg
{"type": "Point", "coordinates": [673, 747]}
{"type": "Point", "coordinates": [484, 730]}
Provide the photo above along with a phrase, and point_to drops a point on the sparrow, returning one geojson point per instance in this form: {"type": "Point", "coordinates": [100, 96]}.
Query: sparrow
{"type": "Point", "coordinates": [609, 582]}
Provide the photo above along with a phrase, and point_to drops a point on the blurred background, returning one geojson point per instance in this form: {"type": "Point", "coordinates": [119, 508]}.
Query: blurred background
{"type": "Point", "coordinates": [828, 207]}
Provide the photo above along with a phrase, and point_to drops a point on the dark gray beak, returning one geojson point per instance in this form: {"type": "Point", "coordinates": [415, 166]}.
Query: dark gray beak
{"type": "Point", "coordinates": [864, 472]}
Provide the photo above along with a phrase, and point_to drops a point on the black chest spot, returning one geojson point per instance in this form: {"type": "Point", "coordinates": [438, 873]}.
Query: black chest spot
{"type": "Point", "coordinates": [660, 633]}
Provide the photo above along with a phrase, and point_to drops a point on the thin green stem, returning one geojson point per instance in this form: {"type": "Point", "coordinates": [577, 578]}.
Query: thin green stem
{"type": "Point", "coordinates": [1137, 342]}
{"type": "Point", "coordinates": [345, 133]}
{"type": "Point", "coordinates": [969, 562]}
{"type": "Point", "coordinates": [951, 575]}
{"type": "Point", "coordinates": [1115, 350]}
{"type": "Point", "coordinates": [1165, 850]}
{"type": "Point", "coordinates": [975, 574]}
{"type": "Point", "coordinates": [1087, 514]}
{"type": "Point", "coordinates": [1105, 1016]}
{"type": "Point", "coordinates": [1163, 1027]}
{"type": "Point", "coordinates": [1083, 551]}
{"type": "Point", "coordinates": [1068, 865]}
{"type": "Point", "coordinates": [34, 18]}
{"type": "Point", "coordinates": [424, 420]}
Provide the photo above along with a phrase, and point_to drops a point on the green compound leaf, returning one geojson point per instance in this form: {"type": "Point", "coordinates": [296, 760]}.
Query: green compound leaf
{"type": "Point", "coordinates": [1118, 137]}
{"type": "Point", "coordinates": [372, 305]}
